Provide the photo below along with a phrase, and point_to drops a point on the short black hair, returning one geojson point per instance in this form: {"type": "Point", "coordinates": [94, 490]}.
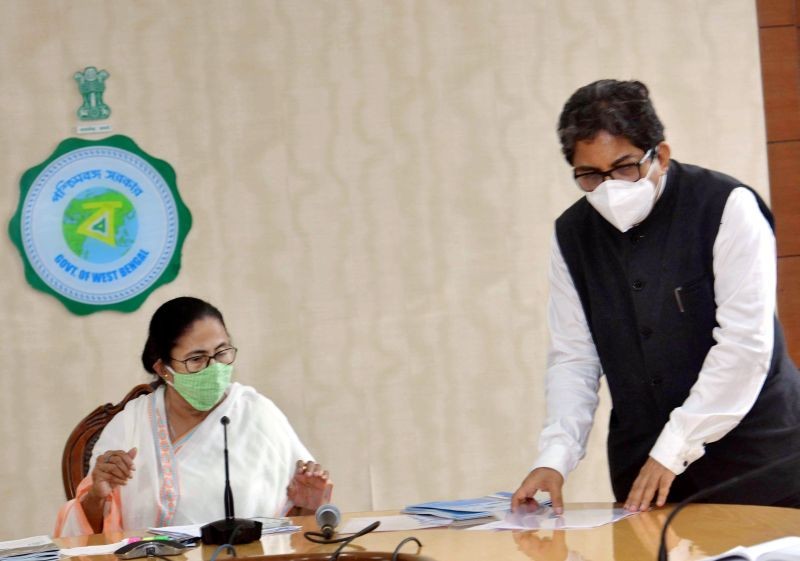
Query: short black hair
{"type": "Point", "coordinates": [169, 322]}
{"type": "Point", "coordinates": [622, 108]}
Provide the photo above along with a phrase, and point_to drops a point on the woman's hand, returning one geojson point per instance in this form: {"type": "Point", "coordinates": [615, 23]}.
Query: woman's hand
{"type": "Point", "coordinates": [113, 468]}
{"type": "Point", "coordinates": [310, 486]}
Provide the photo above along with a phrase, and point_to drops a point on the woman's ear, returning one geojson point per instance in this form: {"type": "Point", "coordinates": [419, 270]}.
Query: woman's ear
{"type": "Point", "coordinates": [161, 370]}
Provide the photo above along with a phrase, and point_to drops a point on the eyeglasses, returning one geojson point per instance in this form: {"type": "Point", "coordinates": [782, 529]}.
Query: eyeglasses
{"type": "Point", "coordinates": [588, 181]}
{"type": "Point", "coordinates": [195, 364]}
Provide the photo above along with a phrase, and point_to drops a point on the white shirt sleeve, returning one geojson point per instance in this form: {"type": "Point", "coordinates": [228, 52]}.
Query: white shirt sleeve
{"type": "Point", "coordinates": [735, 368]}
{"type": "Point", "coordinates": [573, 374]}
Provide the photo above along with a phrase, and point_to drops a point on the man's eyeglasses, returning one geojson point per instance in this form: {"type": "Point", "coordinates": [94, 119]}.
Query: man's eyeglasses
{"type": "Point", "coordinates": [197, 363]}
{"type": "Point", "coordinates": [589, 180]}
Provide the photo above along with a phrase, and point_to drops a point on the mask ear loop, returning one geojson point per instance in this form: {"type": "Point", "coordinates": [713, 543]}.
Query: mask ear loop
{"type": "Point", "coordinates": [171, 371]}
{"type": "Point", "coordinates": [659, 187]}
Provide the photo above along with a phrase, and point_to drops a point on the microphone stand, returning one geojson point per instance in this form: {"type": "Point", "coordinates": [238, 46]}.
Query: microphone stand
{"type": "Point", "coordinates": [662, 545]}
{"type": "Point", "coordinates": [230, 530]}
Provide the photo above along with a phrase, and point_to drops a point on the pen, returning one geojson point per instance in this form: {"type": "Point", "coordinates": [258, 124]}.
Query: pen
{"type": "Point", "coordinates": [678, 298]}
{"type": "Point", "coordinates": [135, 539]}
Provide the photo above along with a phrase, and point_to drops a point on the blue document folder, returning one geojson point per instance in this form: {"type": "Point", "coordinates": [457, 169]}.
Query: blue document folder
{"type": "Point", "coordinates": [464, 509]}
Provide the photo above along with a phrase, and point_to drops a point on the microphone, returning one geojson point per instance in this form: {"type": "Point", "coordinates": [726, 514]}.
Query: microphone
{"type": "Point", "coordinates": [328, 517]}
{"type": "Point", "coordinates": [229, 530]}
{"type": "Point", "coordinates": [662, 546]}
{"type": "Point", "coordinates": [228, 492]}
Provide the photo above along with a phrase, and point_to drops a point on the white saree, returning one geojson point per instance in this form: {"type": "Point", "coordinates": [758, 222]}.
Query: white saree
{"type": "Point", "coordinates": [183, 482]}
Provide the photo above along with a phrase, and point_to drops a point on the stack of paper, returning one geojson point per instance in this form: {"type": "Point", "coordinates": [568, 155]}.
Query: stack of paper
{"type": "Point", "coordinates": [466, 512]}
{"type": "Point", "coordinates": [38, 548]}
{"type": "Point", "coordinates": [175, 533]}
{"type": "Point", "coordinates": [268, 526]}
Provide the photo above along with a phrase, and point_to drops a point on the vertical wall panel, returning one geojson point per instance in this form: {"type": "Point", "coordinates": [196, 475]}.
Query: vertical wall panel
{"type": "Point", "coordinates": [784, 173]}
{"type": "Point", "coordinates": [779, 34]}
{"type": "Point", "coordinates": [788, 283]}
{"type": "Point", "coordinates": [779, 67]}
{"type": "Point", "coordinates": [775, 12]}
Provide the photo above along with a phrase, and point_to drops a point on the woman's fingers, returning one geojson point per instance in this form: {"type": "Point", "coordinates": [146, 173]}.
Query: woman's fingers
{"type": "Point", "coordinates": [120, 467]}
{"type": "Point", "coordinates": [310, 468]}
{"type": "Point", "coordinates": [310, 494]}
{"type": "Point", "coordinates": [308, 472]}
{"type": "Point", "coordinates": [114, 467]}
{"type": "Point", "coordinates": [110, 474]}
{"type": "Point", "coordinates": [121, 458]}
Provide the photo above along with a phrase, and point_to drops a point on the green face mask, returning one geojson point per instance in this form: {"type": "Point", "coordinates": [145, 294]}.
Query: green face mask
{"type": "Point", "coordinates": [203, 390]}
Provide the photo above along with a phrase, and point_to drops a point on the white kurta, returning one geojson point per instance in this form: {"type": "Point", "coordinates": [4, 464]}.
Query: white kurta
{"type": "Point", "coordinates": [183, 482]}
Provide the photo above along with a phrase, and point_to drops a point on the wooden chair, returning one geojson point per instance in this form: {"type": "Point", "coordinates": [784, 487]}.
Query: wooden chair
{"type": "Point", "coordinates": [78, 450]}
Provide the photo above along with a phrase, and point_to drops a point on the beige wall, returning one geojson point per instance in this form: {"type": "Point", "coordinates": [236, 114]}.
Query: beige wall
{"type": "Point", "coordinates": [373, 186]}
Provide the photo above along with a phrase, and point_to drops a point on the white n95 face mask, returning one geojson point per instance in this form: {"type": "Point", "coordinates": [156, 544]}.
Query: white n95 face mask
{"type": "Point", "coordinates": [625, 204]}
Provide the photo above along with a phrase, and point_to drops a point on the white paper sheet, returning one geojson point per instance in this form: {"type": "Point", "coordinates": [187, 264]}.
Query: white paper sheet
{"type": "Point", "coordinates": [94, 549]}
{"type": "Point", "coordinates": [781, 549]}
{"type": "Point", "coordinates": [544, 518]}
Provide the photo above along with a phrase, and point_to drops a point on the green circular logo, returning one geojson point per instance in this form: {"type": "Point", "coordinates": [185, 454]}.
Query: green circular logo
{"type": "Point", "coordinates": [100, 225]}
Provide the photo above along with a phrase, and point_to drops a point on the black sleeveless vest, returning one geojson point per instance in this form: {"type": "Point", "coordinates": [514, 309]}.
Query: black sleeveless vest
{"type": "Point", "coordinates": [648, 295]}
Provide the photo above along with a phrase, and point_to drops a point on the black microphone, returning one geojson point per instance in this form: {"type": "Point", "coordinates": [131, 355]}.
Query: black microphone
{"type": "Point", "coordinates": [229, 530]}
{"type": "Point", "coordinates": [662, 546]}
{"type": "Point", "coordinates": [228, 492]}
{"type": "Point", "coordinates": [328, 517]}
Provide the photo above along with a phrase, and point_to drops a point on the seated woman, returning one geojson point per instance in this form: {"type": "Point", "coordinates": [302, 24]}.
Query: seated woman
{"type": "Point", "coordinates": [159, 462]}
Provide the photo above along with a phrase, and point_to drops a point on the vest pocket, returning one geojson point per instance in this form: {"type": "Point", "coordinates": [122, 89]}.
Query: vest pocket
{"type": "Point", "coordinates": [695, 299]}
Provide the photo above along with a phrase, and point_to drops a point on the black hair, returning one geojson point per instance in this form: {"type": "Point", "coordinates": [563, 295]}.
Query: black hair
{"type": "Point", "coordinates": [169, 322]}
{"type": "Point", "coordinates": [622, 108]}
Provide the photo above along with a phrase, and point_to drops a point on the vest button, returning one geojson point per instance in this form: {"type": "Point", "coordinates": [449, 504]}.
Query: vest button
{"type": "Point", "coordinates": [646, 332]}
{"type": "Point", "coordinates": [636, 238]}
{"type": "Point", "coordinates": [637, 284]}
{"type": "Point", "coordinates": [655, 381]}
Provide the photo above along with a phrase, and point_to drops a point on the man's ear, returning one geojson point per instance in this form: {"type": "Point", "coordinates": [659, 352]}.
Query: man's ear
{"type": "Point", "coordinates": [663, 156]}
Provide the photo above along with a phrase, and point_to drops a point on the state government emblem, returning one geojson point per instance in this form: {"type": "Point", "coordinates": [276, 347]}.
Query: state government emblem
{"type": "Point", "coordinates": [100, 224]}
{"type": "Point", "coordinates": [92, 84]}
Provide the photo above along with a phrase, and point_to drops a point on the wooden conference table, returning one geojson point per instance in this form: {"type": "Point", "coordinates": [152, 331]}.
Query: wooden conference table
{"type": "Point", "coordinates": [698, 531]}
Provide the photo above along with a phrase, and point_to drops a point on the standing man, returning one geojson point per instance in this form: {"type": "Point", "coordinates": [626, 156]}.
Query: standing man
{"type": "Point", "coordinates": [662, 278]}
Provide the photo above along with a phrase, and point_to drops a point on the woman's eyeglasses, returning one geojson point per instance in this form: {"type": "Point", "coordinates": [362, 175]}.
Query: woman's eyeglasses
{"type": "Point", "coordinates": [195, 364]}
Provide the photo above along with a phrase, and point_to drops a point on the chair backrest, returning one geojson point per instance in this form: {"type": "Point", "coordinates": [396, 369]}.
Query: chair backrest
{"type": "Point", "coordinates": [78, 450]}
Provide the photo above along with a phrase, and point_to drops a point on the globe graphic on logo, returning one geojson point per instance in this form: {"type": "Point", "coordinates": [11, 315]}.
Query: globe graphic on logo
{"type": "Point", "coordinates": [100, 225]}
